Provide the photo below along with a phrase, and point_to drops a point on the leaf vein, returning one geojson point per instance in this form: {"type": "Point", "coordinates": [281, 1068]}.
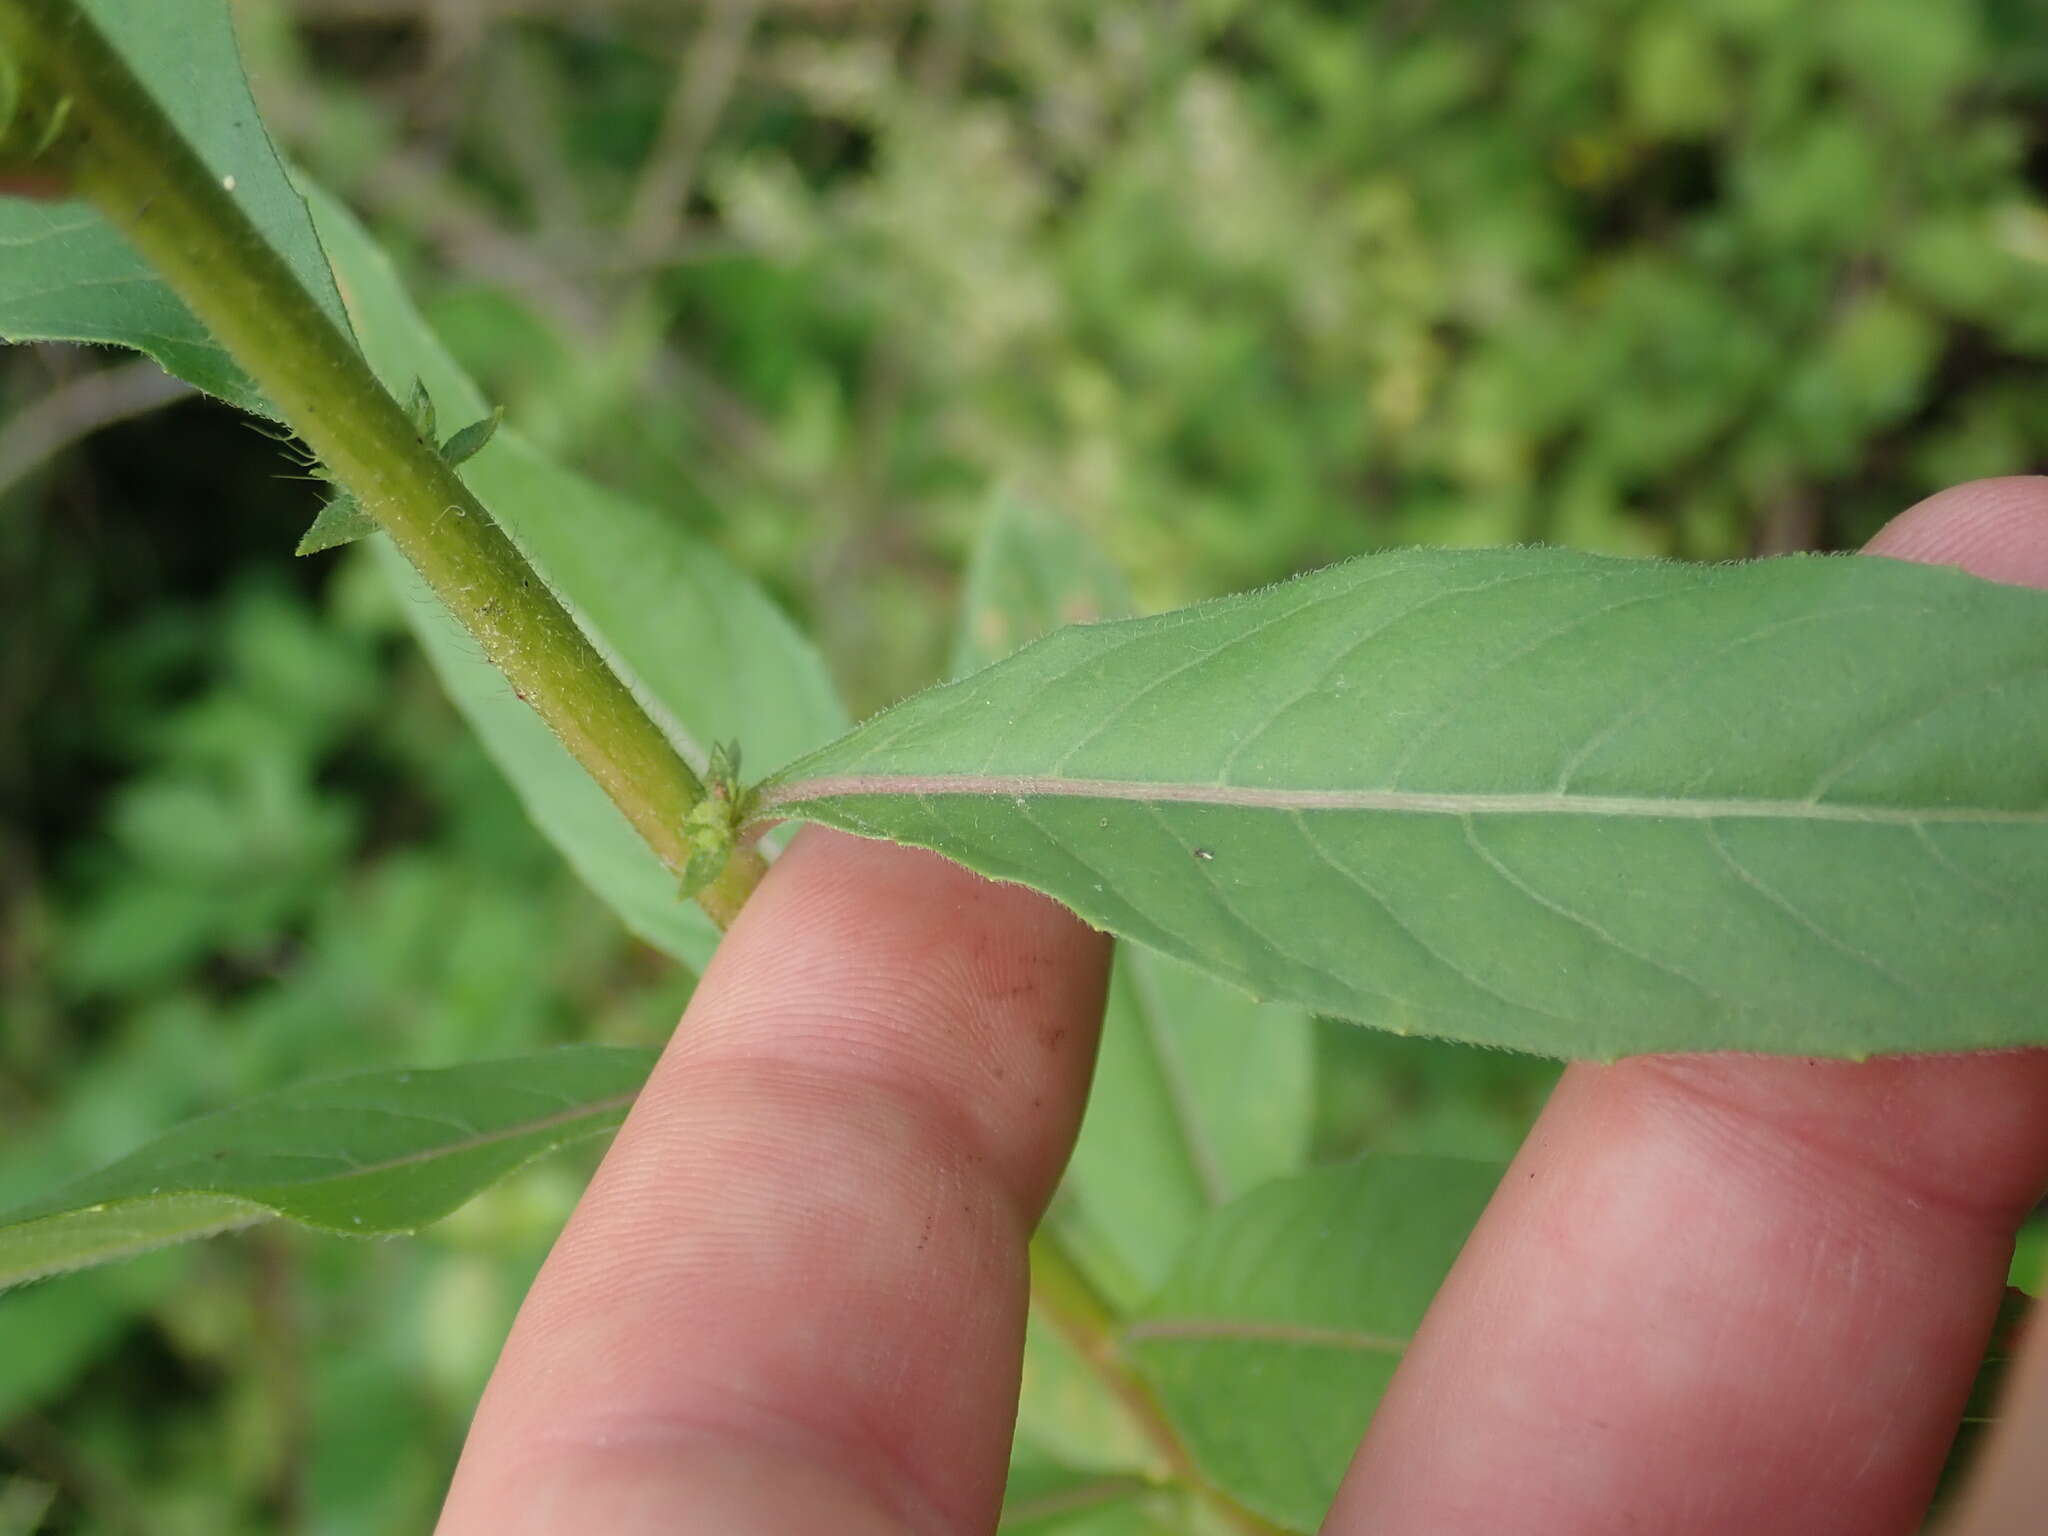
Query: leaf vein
{"type": "Point", "coordinates": [1749, 878]}
{"type": "Point", "coordinates": [1394, 916]}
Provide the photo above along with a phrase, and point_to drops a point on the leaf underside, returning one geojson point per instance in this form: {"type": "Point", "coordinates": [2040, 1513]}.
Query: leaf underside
{"type": "Point", "coordinates": [1199, 1093]}
{"type": "Point", "coordinates": [1555, 802]}
{"type": "Point", "coordinates": [376, 1152]}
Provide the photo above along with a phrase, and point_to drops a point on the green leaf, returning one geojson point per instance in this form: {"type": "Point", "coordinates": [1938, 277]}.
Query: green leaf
{"type": "Point", "coordinates": [1046, 1498]}
{"type": "Point", "coordinates": [469, 442]}
{"type": "Point", "coordinates": [24, 1505]}
{"type": "Point", "coordinates": [50, 1335]}
{"type": "Point", "coordinates": [562, 800]}
{"type": "Point", "coordinates": [1067, 1414]}
{"type": "Point", "coordinates": [341, 520]}
{"type": "Point", "coordinates": [1199, 1094]}
{"type": "Point", "coordinates": [65, 275]}
{"type": "Point", "coordinates": [701, 645]}
{"type": "Point", "coordinates": [419, 407]}
{"type": "Point", "coordinates": [1030, 573]}
{"type": "Point", "coordinates": [1279, 1331]}
{"type": "Point", "coordinates": [1378, 1092]}
{"type": "Point", "coordinates": [1562, 803]}
{"type": "Point", "coordinates": [376, 1152]}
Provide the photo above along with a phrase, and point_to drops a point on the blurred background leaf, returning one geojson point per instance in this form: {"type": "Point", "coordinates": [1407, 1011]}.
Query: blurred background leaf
{"type": "Point", "coordinates": [365, 1154]}
{"type": "Point", "coordinates": [1227, 290]}
{"type": "Point", "coordinates": [1284, 1319]}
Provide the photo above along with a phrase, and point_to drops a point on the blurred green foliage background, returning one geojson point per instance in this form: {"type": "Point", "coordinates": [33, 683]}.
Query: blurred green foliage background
{"type": "Point", "coordinates": [1238, 288]}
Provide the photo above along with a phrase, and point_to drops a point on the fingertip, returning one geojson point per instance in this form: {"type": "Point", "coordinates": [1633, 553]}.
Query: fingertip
{"type": "Point", "coordinates": [890, 962]}
{"type": "Point", "coordinates": [1997, 529]}
{"type": "Point", "coordinates": [807, 1243]}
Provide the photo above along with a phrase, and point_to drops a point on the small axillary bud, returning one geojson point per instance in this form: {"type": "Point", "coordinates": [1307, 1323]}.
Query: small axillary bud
{"type": "Point", "coordinates": [712, 827]}
{"type": "Point", "coordinates": [37, 136]}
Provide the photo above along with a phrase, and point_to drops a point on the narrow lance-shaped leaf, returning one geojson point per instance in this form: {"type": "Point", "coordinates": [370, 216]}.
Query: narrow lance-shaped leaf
{"type": "Point", "coordinates": [376, 1152]}
{"type": "Point", "coordinates": [1557, 802]}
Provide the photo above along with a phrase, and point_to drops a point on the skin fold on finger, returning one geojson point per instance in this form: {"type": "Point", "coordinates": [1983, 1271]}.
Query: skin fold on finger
{"type": "Point", "coordinates": [793, 1298]}
{"type": "Point", "coordinates": [1725, 1294]}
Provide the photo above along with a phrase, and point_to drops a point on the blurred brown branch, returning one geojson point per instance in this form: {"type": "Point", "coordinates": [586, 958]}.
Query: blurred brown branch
{"type": "Point", "coordinates": [696, 102]}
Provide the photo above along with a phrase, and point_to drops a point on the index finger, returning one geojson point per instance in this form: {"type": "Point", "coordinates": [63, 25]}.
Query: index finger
{"type": "Point", "coordinates": [793, 1298]}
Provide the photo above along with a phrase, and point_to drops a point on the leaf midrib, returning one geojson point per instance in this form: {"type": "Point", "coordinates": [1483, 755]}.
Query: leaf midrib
{"type": "Point", "coordinates": [254, 1193]}
{"type": "Point", "coordinates": [473, 1142]}
{"type": "Point", "coordinates": [798, 792]}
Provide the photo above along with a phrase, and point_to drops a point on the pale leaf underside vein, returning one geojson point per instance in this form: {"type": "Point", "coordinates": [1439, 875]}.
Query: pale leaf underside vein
{"type": "Point", "coordinates": [1399, 801]}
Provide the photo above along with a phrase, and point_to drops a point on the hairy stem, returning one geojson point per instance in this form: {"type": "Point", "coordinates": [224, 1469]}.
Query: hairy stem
{"type": "Point", "coordinates": [119, 151]}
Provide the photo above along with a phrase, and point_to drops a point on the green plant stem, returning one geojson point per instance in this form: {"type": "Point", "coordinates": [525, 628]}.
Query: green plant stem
{"type": "Point", "coordinates": [1063, 1295]}
{"type": "Point", "coordinates": [120, 152]}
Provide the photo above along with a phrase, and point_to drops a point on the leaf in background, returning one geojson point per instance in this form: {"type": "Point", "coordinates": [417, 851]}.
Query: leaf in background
{"type": "Point", "coordinates": [375, 1152]}
{"type": "Point", "coordinates": [1557, 802]}
{"type": "Point", "coordinates": [1066, 1415]}
{"type": "Point", "coordinates": [1030, 573]}
{"type": "Point", "coordinates": [1199, 1092]}
{"type": "Point", "coordinates": [1377, 1092]}
{"type": "Point", "coordinates": [53, 1333]}
{"type": "Point", "coordinates": [701, 645]}
{"type": "Point", "coordinates": [24, 1505]}
{"type": "Point", "coordinates": [560, 798]}
{"type": "Point", "coordinates": [1281, 1327]}
{"type": "Point", "coordinates": [1046, 1498]}
{"type": "Point", "coordinates": [65, 275]}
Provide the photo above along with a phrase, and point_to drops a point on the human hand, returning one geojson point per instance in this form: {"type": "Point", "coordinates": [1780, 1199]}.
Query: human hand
{"type": "Point", "coordinates": [1714, 1294]}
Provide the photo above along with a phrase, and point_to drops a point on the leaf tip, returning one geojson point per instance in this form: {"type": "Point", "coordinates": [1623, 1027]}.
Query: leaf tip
{"type": "Point", "coordinates": [341, 521]}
